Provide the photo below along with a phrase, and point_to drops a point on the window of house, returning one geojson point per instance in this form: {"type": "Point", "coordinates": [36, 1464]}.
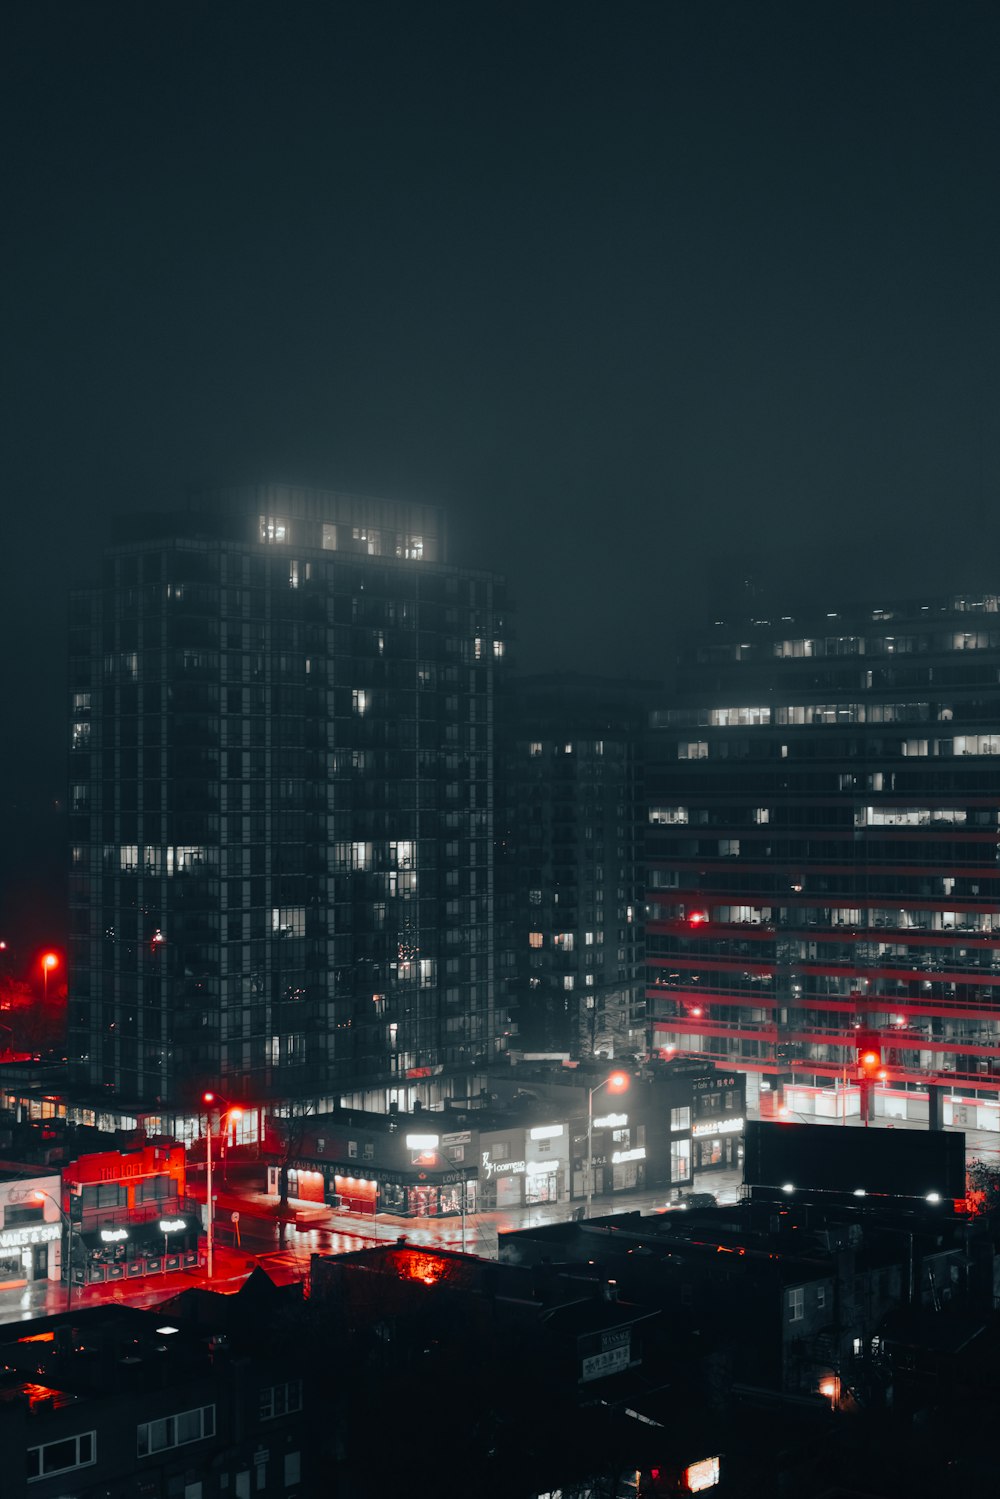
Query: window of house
{"type": "Point", "coordinates": [680, 1118]}
{"type": "Point", "coordinates": [796, 1303]}
{"type": "Point", "coordinates": [293, 1468]}
{"type": "Point", "coordinates": [60, 1457]}
{"type": "Point", "coordinates": [280, 1399]}
{"type": "Point", "coordinates": [175, 1431]}
{"type": "Point", "coordinates": [820, 1297]}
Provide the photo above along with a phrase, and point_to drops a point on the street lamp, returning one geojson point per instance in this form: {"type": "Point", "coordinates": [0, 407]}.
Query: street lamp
{"type": "Point", "coordinates": [616, 1083]}
{"type": "Point", "coordinates": [38, 1194]}
{"type": "Point", "coordinates": [225, 1114]}
{"type": "Point", "coordinates": [49, 961]}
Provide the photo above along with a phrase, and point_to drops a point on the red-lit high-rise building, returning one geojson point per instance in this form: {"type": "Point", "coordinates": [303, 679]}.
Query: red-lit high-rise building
{"type": "Point", "coordinates": [824, 857]}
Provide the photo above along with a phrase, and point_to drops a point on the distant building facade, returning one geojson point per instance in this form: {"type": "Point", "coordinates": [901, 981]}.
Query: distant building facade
{"type": "Point", "coordinates": [823, 833]}
{"type": "Point", "coordinates": [282, 782]}
{"type": "Point", "coordinates": [572, 770]}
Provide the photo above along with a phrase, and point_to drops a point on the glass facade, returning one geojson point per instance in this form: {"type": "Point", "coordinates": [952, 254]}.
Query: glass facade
{"type": "Point", "coordinates": [572, 767]}
{"type": "Point", "coordinates": [824, 847]}
{"type": "Point", "coordinates": [282, 805]}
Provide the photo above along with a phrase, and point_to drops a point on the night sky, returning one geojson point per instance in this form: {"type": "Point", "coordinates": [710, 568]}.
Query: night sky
{"type": "Point", "coordinates": [653, 298]}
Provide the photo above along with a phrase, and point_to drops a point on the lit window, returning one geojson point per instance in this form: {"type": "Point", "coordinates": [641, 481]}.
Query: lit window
{"type": "Point", "coordinates": [535, 748]}
{"type": "Point", "coordinates": [534, 939]}
{"type": "Point", "coordinates": [498, 649]}
{"type": "Point", "coordinates": [567, 981]}
{"type": "Point", "coordinates": [695, 749]}
{"type": "Point", "coordinates": [702, 1475]}
{"type": "Point", "coordinates": [81, 734]}
{"type": "Point", "coordinates": [329, 538]}
{"type": "Point", "coordinates": [668, 815]}
{"type": "Point", "coordinates": [273, 529]}
{"type": "Point", "coordinates": [288, 921]}
{"type": "Point", "coordinates": [359, 701]}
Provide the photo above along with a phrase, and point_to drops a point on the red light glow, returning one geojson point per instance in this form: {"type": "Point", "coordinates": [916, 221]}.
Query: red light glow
{"type": "Point", "coordinates": [870, 1059]}
{"type": "Point", "coordinates": [50, 960]}
{"type": "Point", "coordinates": [697, 917]}
{"type": "Point", "coordinates": [618, 1082]}
{"type": "Point", "coordinates": [428, 1268]}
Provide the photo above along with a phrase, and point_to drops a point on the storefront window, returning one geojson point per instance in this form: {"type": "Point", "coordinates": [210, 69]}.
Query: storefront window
{"type": "Point", "coordinates": [680, 1160]}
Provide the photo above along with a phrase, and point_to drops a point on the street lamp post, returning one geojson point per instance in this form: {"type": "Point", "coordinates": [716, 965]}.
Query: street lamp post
{"type": "Point", "coordinates": [616, 1083]}
{"type": "Point", "coordinates": [38, 1194]}
{"type": "Point", "coordinates": [49, 961]}
{"type": "Point", "coordinates": [225, 1115]}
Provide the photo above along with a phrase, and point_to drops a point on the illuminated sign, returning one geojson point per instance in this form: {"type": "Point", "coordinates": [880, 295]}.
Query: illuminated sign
{"type": "Point", "coordinates": [422, 1142]}
{"type": "Point", "coordinates": [540, 1168]}
{"type": "Point", "coordinates": [546, 1132]}
{"type": "Point", "coordinates": [113, 1235]}
{"type": "Point", "coordinates": [41, 1233]}
{"type": "Point", "coordinates": [172, 1225]}
{"type": "Point", "coordinates": [621, 1156]}
{"type": "Point", "coordinates": [460, 1137]}
{"type": "Point", "coordinates": [703, 1475]}
{"type": "Point", "coordinates": [717, 1127]}
{"type": "Point", "coordinates": [505, 1168]}
{"type": "Point", "coordinates": [611, 1121]}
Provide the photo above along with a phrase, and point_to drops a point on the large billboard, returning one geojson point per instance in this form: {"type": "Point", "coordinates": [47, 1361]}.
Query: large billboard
{"type": "Point", "coordinates": [844, 1158]}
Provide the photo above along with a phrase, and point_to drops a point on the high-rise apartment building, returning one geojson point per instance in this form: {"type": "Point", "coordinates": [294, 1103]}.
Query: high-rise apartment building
{"type": "Point", "coordinates": [282, 806]}
{"type": "Point", "coordinates": [824, 853]}
{"type": "Point", "coordinates": [572, 787]}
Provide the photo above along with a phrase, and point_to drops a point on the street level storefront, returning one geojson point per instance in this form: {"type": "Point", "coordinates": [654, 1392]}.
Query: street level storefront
{"type": "Point", "coordinates": [129, 1214]}
{"type": "Point", "coordinates": [618, 1151]}
{"type": "Point", "coordinates": [719, 1122]}
{"type": "Point", "coordinates": [428, 1164]}
{"type": "Point", "coordinates": [31, 1228]}
{"type": "Point", "coordinates": [520, 1165]}
{"type": "Point", "coordinates": [130, 1251]}
{"type": "Point", "coordinates": [428, 1190]}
